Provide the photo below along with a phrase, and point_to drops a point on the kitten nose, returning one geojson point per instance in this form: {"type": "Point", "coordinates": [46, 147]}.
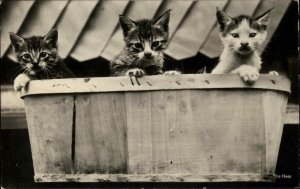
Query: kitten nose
{"type": "Point", "coordinates": [148, 55]}
{"type": "Point", "coordinates": [35, 62]}
{"type": "Point", "coordinates": [245, 44]}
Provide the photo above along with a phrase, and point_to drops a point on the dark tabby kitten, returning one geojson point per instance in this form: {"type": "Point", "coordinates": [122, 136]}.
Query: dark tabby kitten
{"type": "Point", "coordinates": [145, 41]}
{"type": "Point", "coordinates": [38, 58]}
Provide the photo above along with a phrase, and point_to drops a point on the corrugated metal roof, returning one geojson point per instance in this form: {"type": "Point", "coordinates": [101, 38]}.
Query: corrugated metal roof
{"type": "Point", "coordinates": [89, 29]}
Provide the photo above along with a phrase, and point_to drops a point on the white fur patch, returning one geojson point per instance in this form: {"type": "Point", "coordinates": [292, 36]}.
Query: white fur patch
{"type": "Point", "coordinates": [21, 81]}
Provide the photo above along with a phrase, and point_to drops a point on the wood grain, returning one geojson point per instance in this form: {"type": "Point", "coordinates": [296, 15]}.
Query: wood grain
{"type": "Point", "coordinates": [152, 178]}
{"type": "Point", "coordinates": [49, 121]}
{"type": "Point", "coordinates": [100, 134]}
{"type": "Point", "coordinates": [170, 133]}
{"type": "Point", "coordinates": [139, 132]}
{"type": "Point", "coordinates": [273, 126]}
{"type": "Point", "coordinates": [154, 83]}
{"type": "Point", "coordinates": [182, 134]}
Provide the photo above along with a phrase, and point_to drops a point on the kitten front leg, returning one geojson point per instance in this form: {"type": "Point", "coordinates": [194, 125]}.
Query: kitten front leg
{"type": "Point", "coordinates": [21, 81]}
{"type": "Point", "coordinates": [248, 73]}
{"type": "Point", "coordinates": [274, 73]}
{"type": "Point", "coordinates": [172, 72]}
{"type": "Point", "coordinates": [135, 72]}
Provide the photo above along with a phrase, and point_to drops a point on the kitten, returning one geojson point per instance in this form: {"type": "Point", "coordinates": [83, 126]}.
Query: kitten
{"type": "Point", "coordinates": [145, 41]}
{"type": "Point", "coordinates": [39, 58]}
{"type": "Point", "coordinates": [241, 37]}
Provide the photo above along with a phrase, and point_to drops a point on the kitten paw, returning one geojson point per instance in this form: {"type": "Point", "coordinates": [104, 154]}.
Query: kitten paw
{"type": "Point", "coordinates": [21, 81]}
{"type": "Point", "coordinates": [135, 72]}
{"type": "Point", "coordinates": [273, 73]}
{"type": "Point", "coordinates": [248, 73]}
{"type": "Point", "coordinates": [172, 72]}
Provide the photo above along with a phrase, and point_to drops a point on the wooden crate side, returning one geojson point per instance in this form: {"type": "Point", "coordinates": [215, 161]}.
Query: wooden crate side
{"type": "Point", "coordinates": [139, 132]}
{"type": "Point", "coordinates": [169, 132]}
{"type": "Point", "coordinates": [230, 131]}
{"type": "Point", "coordinates": [100, 135]}
{"type": "Point", "coordinates": [49, 121]}
{"type": "Point", "coordinates": [274, 106]}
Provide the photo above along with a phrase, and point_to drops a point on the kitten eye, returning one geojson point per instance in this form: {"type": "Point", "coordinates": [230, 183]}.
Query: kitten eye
{"type": "Point", "coordinates": [26, 56]}
{"type": "Point", "coordinates": [43, 55]}
{"type": "Point", "coordinates": [155, 44]}
{"type": "Point", "coordinates": [138, 45]}
{"type": "Point", "coordinates": [235, 35]}
{"type": "Point", "coordinates": [252, 34]}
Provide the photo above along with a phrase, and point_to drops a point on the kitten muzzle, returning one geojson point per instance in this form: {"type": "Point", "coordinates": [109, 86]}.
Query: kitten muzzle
{"type": "Point", "coordinates": [244, 49]}
{"type": "Point", "coordinates": [148, 56]}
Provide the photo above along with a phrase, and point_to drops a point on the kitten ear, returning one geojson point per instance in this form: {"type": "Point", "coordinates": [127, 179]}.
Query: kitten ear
{"type": "Point", "coordinates": [126, 24]}
{"type": "Point", "coordinates": [264, 18]}
{"type": "Point", "coordinates": [223, 18]}
{"type": "Point", "coordinates": [16, 41]}
{"type": "Point", "coordinates": [51, 37]}
{"type": "Point", "coordinates": [163, 20]}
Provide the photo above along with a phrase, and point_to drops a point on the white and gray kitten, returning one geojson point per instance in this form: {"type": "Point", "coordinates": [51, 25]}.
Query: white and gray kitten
{"type": "Point", "coordinates": [241, 37]}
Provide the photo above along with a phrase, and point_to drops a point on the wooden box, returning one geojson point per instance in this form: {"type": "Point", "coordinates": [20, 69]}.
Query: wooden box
{"type": "Point", "coordinates": [187, 128]}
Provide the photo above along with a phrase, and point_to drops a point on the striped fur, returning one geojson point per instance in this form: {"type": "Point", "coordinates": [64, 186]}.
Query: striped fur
{"type": "Point", "coordinates": [145, 41]}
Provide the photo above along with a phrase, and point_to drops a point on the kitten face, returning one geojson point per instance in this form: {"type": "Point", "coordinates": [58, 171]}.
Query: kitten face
{"type": "Point", "coordinates": [146, 39]}
{"type": "Point", "coordinates": [36, 54]}
{"type": "Point", "coordinates": [242, 34]}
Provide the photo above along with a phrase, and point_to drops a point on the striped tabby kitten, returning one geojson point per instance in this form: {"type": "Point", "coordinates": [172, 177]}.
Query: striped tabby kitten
{"type": "Point", "coordinates": [241, 37]}
{"type": "Point", "coordinates": [38, 58]}
{"type": "Point", "coordinates": [145, 41]}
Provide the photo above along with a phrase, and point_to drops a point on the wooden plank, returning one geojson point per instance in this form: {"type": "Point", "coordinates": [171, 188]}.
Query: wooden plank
{"type": "Point", "coordinates": [179, 8]}
{"type": "Point", "coordinates": [40, 20]}
{"type": "Point", "coordinates": [152, 83]}
{"type": "Point", "coordinates": [136, 11]}
{"type": "Point", "coordinates": [71, 24]}
{"type": "Point", "coordinates": [274, 121]}
{"type": "Point", "coordinates": [98, 30]}
{"type": "Point", "coordinates": [212, 46]}
{"type": "Point", "coordinates": [50, 136]}
{"type": "Point", "coordinates": [152, 178]}
{"type": "Point", "coordinates": [181, 143]}
{"type": "Point", "coordinates": [280, 7]}
{"type": "Point", "coordinates": [100, 134]}
{"type": "Point", "coordinates": [193, 31]}
{"type": "Point", "coordinates": [158, 132]}
{"type": "Point", "coordinates": [13, 14]}
{"type": "Point", "coordinates": [139, 133]}
{"type": "Point", "coordinates": [226, 143]}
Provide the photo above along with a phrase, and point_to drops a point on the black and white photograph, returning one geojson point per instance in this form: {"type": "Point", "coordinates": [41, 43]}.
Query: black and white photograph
{"type": "Point", "coordinates": [149, 94]}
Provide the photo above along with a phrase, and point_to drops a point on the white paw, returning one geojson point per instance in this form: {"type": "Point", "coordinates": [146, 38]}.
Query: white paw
{"type": "Point", "coordinates": [274, 73]}
{"type": "Point", "coordinates": [21, 81]}
{"type": "Point", "coordinates": [136, 72]}
{"type": "Point", "coordinates": [248, 73]}
{"type": "Point", "coordinates": [172, 72]}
